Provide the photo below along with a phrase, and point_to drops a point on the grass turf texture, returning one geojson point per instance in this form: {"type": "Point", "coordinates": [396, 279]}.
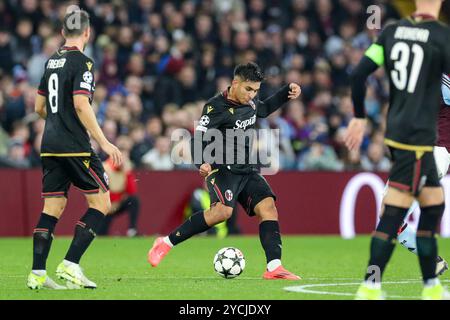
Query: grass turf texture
{"type": "Point", "coordinates": [120, 269]}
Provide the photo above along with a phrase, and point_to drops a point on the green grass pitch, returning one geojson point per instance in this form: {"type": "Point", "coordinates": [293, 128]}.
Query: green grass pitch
{"type": "Point", "coordinates": [331, 268]}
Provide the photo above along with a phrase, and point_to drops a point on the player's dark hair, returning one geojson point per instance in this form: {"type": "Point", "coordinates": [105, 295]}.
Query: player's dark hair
{"type": "Point", "coordinates": [75, 23]}
{"type": "Point", "coordinates": [249, 72]}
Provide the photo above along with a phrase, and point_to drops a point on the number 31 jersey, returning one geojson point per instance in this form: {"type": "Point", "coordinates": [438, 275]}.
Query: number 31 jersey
{"type": "Point", "coordinates": [67, 73]}
{"type": "Point", "coordinates": [415, 53]}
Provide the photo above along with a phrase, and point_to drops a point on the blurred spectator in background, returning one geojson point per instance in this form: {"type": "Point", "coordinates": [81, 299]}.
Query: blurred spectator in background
{"type": "Point", "coordinates": [352, 161]}
{"type": "Point", "coordinates": [21, 42]}
{"type": "Point", "coordinates": [375, 160]}
{"type": "Point", "coordinates": [6, 51]}
{"type": "Point", "coordinates": [16, 156]}
{"type": "Point", "coordinates": [157, 59]}
{"type": "Point", "coordinates": [36, 64]}
{"type": "Point", "coordinates": [158, 158]}
{"type": "Point", "coordinates": [123, 189]}
{"type": "Point", "coordinates": [321, 157]}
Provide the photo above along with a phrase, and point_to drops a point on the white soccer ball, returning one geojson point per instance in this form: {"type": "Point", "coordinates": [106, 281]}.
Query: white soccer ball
{"type": "Point", "coordinates": [229, 262]}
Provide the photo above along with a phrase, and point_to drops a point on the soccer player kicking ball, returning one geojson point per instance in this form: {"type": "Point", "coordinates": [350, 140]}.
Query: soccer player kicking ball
{"type": "Point", "coordinates": [407, 50]}
{"type": "Point", "coordinates": [64, 100]}
{"type": "Point", "coordinates": [234, 111]}
{"type": "Point", "coordinates": [407, 234]}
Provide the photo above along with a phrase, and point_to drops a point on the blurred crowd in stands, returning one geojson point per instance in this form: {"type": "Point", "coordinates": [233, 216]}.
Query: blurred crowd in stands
{"type": "Point", "coordinates": [157, 62]}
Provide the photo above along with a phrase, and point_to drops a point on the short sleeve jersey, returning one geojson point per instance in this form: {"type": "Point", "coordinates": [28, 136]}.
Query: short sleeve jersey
{"type": "Point", "coordinates": [67, 73]}
{"type": "Point", "coordinates": [415, 54]}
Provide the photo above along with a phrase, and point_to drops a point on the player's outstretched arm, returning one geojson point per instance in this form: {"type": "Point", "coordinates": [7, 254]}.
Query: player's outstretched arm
{"type": "Point", "coordinates": [275, 101]}
{"type": "Point", "coordinates": [87, 118]}
{"type": "Point", "coordinates": [39, 106]}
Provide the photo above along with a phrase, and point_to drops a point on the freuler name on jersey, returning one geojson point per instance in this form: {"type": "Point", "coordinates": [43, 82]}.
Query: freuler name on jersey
{"type": "Point", "coordinates": [56, 63]}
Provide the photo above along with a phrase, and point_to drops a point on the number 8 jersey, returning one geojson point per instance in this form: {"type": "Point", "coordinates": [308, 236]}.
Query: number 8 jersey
{"type": "Point", "coordinates": [67, 73]}
{"type": "Point", "coordinates": [415, 53]}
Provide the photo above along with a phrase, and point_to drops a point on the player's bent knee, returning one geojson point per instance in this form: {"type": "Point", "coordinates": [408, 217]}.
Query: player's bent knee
{"type": "Point", "coordinates": [398, 198]}
{"type": "Point", "coordinates": [266, 209]}
{"type": "Point", "coordinates": [431, 196]}
{"type": "Point", "coordinates": [221, 212]}
{"type": "Point", "coordinates": [54, 206]}
{"type": "Point", "coordinates": [100, 201]}
{"type": "Point", "coordinates": [271, 214]}
{"type": "Point", "coordinates": [227, 213]}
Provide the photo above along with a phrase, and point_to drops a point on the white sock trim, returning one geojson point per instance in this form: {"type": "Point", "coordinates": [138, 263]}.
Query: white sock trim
{"type": "Point", "coordinates": [167, 240]}
{"type": "Point", "coordinates": [39, 273]}
{"type": "Point", "coordinates": [431, 282]}
{"type": "Point", "coordinates": [273, 264]}
{"type": "Point", "coordinates": [373, 285]}
{"type": "Point", "coordinates": [68, 263]}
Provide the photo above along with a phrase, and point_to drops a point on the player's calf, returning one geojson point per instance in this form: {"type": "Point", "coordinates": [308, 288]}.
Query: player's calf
{"type": "Point", "coordinates": [407, 238]}
{"type": "Point", "coordinates": [426, 241]}
{"type": "Point", "coordinates": [42, 240]}
{"type": "Point", "coordinates": [85, 231]}
{"type": "Point", "coordinates": [197, 223]}
{"type": "Point", "coordinates": [383, 239]}
{"type": "Point", "coordinates": [270, 237]}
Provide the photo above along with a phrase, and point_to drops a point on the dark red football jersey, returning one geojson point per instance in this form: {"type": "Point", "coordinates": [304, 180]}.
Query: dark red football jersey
{"type": "Point", "coordinates": [444, 115]}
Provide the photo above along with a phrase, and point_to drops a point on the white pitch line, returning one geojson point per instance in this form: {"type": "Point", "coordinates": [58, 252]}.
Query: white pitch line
{"type": "Point", "coordinates": [303, 289]}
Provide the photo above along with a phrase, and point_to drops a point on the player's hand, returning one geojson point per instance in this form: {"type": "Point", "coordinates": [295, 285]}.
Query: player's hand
{"type": "Point", "coordinates": [294, 91]}
{"type": "Point", "coordinates": [205, 169]}
{"type": "Point", "coordinates": [355, 132]}
{"type": "Point", "coordinates": [115, 154]}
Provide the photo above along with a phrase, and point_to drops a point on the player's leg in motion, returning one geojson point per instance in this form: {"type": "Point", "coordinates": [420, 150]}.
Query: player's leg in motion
{"type": "Point", "coordinates": [42, 241]}
{"type": "Point", "coordinates": [197, 223]}
{"type": "Point", "coordinates": [85, 231]}
{"type": "Point", "coordinates": [220, 210]}
{"type": "Point", "coordinates": [269, 235]}
{"type": "Point", "coordinates": [383, 242]}
{"type": "Point", "coordinates": [407, 238]}
{"type": "Point", "coordinates": [407, 234]}
{"type": "Point", "coordinates": [432, 207]}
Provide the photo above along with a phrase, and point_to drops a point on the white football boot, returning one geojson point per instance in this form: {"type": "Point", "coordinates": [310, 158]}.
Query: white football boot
{"type": "Point", "coordinates": [74, 275]}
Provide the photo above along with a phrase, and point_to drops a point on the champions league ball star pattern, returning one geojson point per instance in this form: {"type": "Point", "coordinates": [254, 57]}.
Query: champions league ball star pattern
{"type": "Point", "coordinates": [229, 262]}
